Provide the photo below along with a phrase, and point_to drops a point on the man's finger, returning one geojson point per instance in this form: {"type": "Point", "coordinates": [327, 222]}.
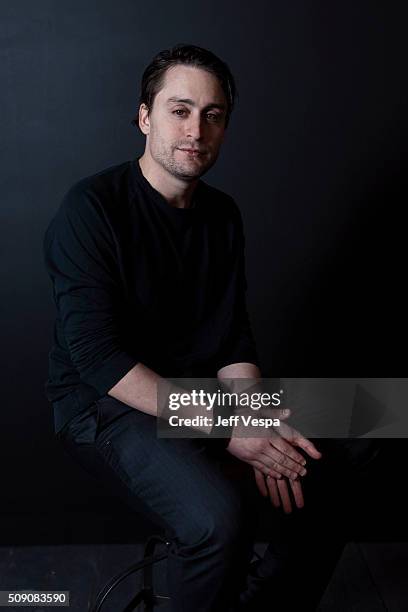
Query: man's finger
{"type": "Point", "coordinates": [307, 445]}
{"type": "Point", "coordinates": [273, 491]}
{"type": "Point", "coordinates": [292, 468]}
{"type": "Point", "coordinates": [287, 449]}
{"type": "Point", "coordinates": [274, 460]}
{"type": "Point", "coordinates": [296, 486]}
{"type": "Point", "coordinates": [284, 495]}
{"type": "Point", "coordinates": [260, 481]}
{"type": "Point", "coordinates": [265, 470]}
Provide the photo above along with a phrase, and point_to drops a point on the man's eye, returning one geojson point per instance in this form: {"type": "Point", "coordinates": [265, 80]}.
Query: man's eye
{"type": "Point", "coordinates": [179, 112]}
{"type": "Point", "coordinates": [213, 117]}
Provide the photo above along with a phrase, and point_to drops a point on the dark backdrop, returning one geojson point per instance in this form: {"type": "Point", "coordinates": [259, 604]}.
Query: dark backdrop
{"type": "Point", "coordinates": [315, 156]}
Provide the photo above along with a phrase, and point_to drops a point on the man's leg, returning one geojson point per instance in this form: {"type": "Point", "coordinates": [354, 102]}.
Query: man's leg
{"type": "Point", "coordinates": [305, 546]}
{"type": "Point", "coordinates": [180, 485]}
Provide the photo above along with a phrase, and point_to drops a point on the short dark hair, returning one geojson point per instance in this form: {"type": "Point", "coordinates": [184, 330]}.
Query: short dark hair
{"type": "Point", "coordinates": [188, 55]}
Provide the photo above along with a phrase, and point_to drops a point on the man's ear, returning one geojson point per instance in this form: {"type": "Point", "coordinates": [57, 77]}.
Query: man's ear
{"type": "Point", "coordinates": [144, 120]}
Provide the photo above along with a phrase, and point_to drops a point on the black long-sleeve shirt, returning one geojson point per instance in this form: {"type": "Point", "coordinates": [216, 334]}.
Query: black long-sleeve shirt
{"type": "Point", "coordinates": [137, 280]}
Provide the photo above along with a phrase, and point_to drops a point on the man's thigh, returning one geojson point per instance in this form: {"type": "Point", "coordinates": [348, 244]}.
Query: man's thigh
{"type": "Point", "coordinates": [175, 482]}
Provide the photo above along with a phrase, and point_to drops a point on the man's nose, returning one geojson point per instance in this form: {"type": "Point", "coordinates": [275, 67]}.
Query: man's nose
{"type": "Point", "coordinates": [195, 127]}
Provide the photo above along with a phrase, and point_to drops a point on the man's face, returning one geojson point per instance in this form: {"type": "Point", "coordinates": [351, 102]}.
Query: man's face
{"type": "Point", "coordinates": [186, 124]}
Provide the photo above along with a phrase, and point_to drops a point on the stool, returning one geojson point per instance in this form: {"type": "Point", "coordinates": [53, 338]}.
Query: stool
{"type": "Point", "coordinates": [146, 594]}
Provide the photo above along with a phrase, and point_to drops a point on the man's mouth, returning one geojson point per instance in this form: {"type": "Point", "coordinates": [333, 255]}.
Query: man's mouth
{"type": "Point", "coordinates": [192, 151]}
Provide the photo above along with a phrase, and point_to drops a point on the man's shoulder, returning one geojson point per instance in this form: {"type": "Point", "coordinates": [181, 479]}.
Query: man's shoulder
{"type": "Point", "coordinates": [91, 201]}
{"type": "Point", "coordinates": [100, 185]}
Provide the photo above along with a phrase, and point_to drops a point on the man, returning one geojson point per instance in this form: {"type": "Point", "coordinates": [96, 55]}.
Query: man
{"type": "Point", "coordinates": [147, 266]}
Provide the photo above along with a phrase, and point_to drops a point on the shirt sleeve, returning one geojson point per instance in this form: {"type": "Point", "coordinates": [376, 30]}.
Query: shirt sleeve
{"type": "Point", "coordinates": [79, 254]}
{"type": "Point", "coordinates": [239, 346]}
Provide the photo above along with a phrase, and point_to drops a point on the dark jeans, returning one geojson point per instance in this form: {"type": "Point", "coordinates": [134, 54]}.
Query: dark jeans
{"type": "Point", "coordinates": [208, 504]}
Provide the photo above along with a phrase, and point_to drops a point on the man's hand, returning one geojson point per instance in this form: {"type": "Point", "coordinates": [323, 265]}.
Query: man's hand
{"type": "Point", "coordinates": [274, 455]}
{"type": "Point", "coordinates": [278, 491]}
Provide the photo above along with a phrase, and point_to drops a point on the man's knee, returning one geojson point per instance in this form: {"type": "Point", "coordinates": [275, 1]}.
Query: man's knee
{"type": "Point", "coordinates": [224, 527]}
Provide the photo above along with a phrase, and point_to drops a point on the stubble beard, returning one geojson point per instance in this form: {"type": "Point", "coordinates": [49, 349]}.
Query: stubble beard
{"type": "Point", "coordinates": [188, 171]}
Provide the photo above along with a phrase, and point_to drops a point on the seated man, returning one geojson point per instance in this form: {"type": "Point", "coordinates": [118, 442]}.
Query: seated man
{"type": "Point", "coordinates": [147, 266]}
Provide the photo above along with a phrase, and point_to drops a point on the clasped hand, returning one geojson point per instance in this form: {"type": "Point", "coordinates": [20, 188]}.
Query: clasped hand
{"type": "Point", "coordinates": [275, 460]}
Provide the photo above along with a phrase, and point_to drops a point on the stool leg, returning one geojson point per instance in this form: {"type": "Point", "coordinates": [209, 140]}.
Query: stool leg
{"type": "Point", "coordinates": [108, 588]}
{"type": "Point", "coordinates": [150, 547]}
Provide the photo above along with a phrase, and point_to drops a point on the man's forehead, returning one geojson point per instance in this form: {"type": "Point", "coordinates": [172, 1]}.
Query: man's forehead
{"type": "Point", "coordinates": [213, 103]}
{"type": "Point", "coordinates": [188, 84]}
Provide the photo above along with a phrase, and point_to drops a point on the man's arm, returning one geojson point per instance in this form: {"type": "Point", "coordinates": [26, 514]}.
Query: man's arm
{"type": "Point", "coordinates": [139, 389]}
{"type": "Point", "coordinates": [244, 376]}
{"type": "Point", "coordinates": [80, 258]}
{"type": "Point", "coordinates": [275, 451]}
{"type": "Point", "coordinates": [239, 370]}
{"type": "Point", "coordinates": [238, 362]}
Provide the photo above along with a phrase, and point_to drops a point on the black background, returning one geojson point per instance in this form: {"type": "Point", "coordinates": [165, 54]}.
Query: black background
{"type": "Point", "coordinates": [315, 155]}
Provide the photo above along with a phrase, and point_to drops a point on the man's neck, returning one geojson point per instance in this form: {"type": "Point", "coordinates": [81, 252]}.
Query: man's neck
{"type": "Point", "coordinates": [177, 193]}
